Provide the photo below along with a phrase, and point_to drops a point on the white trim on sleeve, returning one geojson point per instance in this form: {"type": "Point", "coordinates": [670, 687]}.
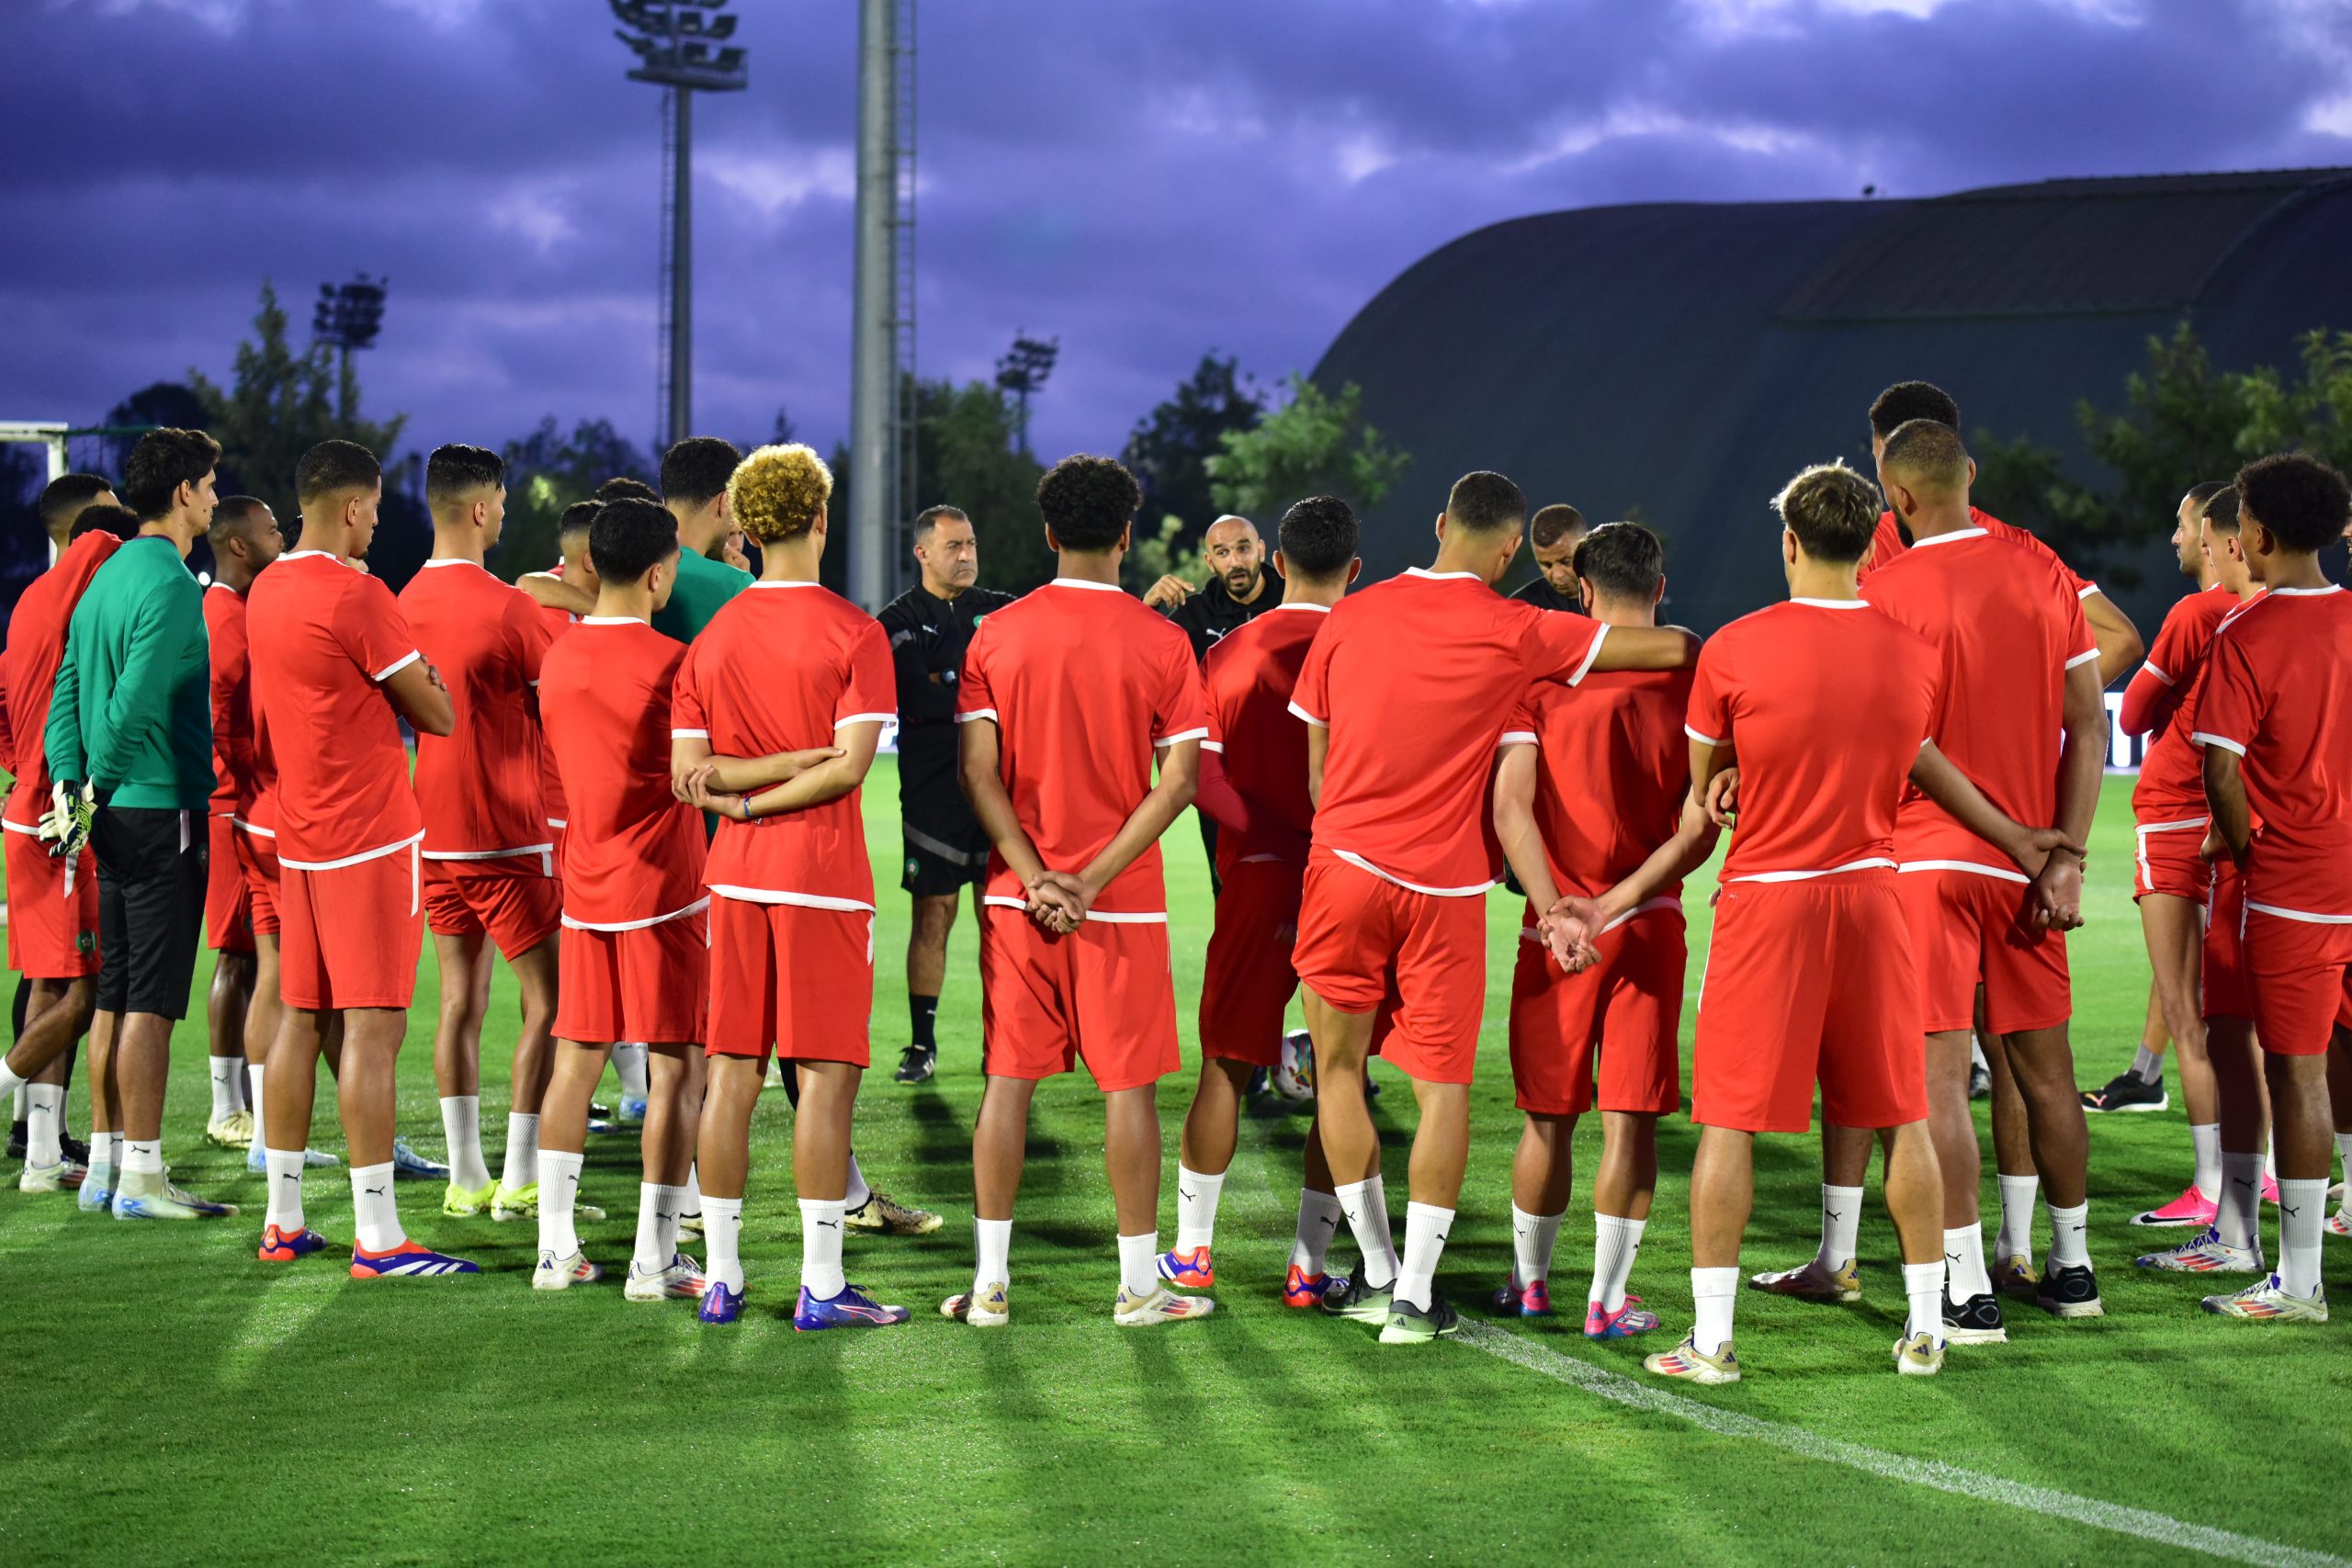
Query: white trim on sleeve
{"type": "Point", "coordinates": [864, 719]}
{"type": "Point", "coordinates": [2084, 657]}
{"type": "Point", "coordinates": [1516, 737]}
{"type": "Point", "coordinates": [2203, 738]}
{"type": "Point", "coordinates": [2149, 667]}
{"type": "Point", "coordinates": [1182, 735]}
{"type": "Point", "coordinates": [2086, 590]}
{"type": "Point", "coordinates": [396, 666]}
{"type": "Point", "coordinates": [1301, 713]}
{"type": "Point", "coordinates": [988, 714]}
{"type": "Point", "coordinates": [690, 735]}
{"type": "Point", "coordinates": [1215, 746]}
{"type": "Point", "coordinates": [1694, 734]}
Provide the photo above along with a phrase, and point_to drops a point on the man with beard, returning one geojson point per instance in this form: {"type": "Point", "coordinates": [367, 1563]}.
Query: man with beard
{"type": "Point", "coordinates": [1235, 595]}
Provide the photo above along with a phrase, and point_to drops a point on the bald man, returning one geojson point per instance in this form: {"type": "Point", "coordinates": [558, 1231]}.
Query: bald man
{"type": "Point", "coordinates": [1235, 595]}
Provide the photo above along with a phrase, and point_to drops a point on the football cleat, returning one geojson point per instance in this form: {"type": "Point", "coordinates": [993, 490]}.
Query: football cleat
{"type": "Point", "coordinates": [851, 1309]}
{"type": "Point", "coordinates": [311, 1159]}
{"type": "Point", "coordinates": [1515, 1300]}
{"type": "Point", "coordinates": [95, 1195]}
{"type": "Point", "coordinates": [20, 1135]}
{"type": "Point", "coordinates": [1980, 1081]}
{"type": "Point", "coordinates": [2267, 1301]}
{"type": "Point", "coordinates": [2340, 1222]}
{"type": "Point", "coordinates": [1976, 1321]}
{"type": "Point", "coordinates": [690, 1224]}
{"type": "Point", "coordinates": [555, 1273]}
{"type": "Point", "coordinates": [2205, 1254]}
{"type": "Point", "coordinates": [279, 1246]}
{"type": "Point", "coordinates": [155, 1198]}
{"type": "Point", "coordinates": [1359, 1302]}
{"type": "Point", "coordinates": [1815, 1281]}
{"type": "Point", "coordinates": [1410, 1325]}
{"type": "Point", "coordinates": [1301, 1289]}
{"type": "Point", "coordinates": [682, 1280]}
{"type": "Point", "coordinates": [464, 1202]}
{"type": "Point", "coordinates": [63, 1177]}
{"type": "Point", "coordinates": [2127, 1090]}
{"type": "Point", "coordinates": [1193, 1271]}
{"type": "Point", "coordinates": [1686, 1361]}
{"type": "Point", "coordinates": [234, 1130]}
{"type": "Point", "coordinates": [2191, 1208]}
{"type": "Point", "coordinates": [409, 1165]}
{"type": "Point", "coordinates": [78, 1152]}
{"type": "Point", "coordinates": [1293, 1074]}
{"type": "Point", "coordinates": [1631, 1318]}
{"type": "Point", "coordinates": [406, 1261]}
{"type": "Point", "coordinates": [983, 1307]}
{"type": "Point", "coordinates": [885, 1215]}
{"type": "Point", "coordinates": [720, 1304]}
{"type": "Point", "coordinates": [1920, 1356]}
{"type": "Point", "coordinates": [2069, 1291]}
{"type": "Point", "coordinates": [1161, 1305]}
{"type": "Point", "coordinates": [2015, 1276]}
{"type": "Point", "coordinates": [508, 1204]}
{"type": "Point", "coordinates": [917, 1064]}
{"type": "Point", "coordinates": [633, 1108]}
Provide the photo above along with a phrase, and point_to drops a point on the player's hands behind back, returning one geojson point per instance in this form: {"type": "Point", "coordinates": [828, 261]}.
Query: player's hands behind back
{"type": "Point", "coordinates": [1568, 929]}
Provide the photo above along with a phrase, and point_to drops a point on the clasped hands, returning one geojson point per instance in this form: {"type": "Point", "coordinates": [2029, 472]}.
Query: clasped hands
{"type": "Point", "coordinates": [1058, 900]}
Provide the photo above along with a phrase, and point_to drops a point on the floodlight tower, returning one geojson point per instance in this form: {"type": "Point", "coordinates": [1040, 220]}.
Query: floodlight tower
{"type": "Point", "coordinates": [682, 48]}
{"type": "Point", "coordinates": [882, 334]}
{"type": "Point", "coordinates": [350, 316]}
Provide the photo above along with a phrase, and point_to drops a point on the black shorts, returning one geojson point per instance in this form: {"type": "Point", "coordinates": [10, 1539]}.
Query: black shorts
{"type": "Point", "coordinates": [942, 860]}
{"type": "Point", "coordinates": [150, 907]}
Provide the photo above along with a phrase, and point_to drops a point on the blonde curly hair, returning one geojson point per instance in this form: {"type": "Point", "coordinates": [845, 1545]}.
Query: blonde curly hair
{"type": "Point", "coordinates": [776, 492]}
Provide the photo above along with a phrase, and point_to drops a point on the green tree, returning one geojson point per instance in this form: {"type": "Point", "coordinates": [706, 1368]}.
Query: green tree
{"type": "Point", "coordinates": [546, 471]}
{"type": "Point", "coordinates": [965, 456]}
{"type": "Point", "coordinates": [1169, 450]}
{"type": "Point", "coordinates": [1313, 445]}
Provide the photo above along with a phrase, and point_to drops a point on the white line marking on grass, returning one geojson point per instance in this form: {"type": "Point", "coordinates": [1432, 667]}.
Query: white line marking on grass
{"type": "Point", "coordinates": [2140, 1522]}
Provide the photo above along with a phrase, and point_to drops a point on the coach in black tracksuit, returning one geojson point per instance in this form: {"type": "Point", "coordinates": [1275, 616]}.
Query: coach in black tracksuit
{"type": "Point", "coordinates": [930, 625]}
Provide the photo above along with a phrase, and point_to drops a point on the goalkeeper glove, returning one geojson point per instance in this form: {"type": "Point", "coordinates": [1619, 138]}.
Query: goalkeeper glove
{"type": "Point", "coordinates": [65, 826]}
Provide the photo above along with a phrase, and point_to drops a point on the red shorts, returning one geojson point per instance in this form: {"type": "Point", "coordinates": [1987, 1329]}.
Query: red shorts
{"type": "Point", "coordinates": [1809, 981]}
{"type": "Point", "coordinates": [351, 933]}
{"type": "Point", "coordinates": [1363, 941]}
{"type": "Point", "coordinates": [52, 934]}
{"type": "Point", "coordinates": [2222, 988]}
{"type": "Point", "coordinates": [652, 983]}
{"type": "Point", "coordinates": [791, 977]}
{"type": "Point", "coordinates": [228, 907]}
{"type": "Point", "coordinates": [1967, 929]}
{"type": "Point", "coordinates": [1104, 994]}
{"type": "Point", "coordinates": [2301, 975]}
{"type": "Point", "coordinates": [257, 858]}
{"type": "Point", "coordinates": [517, 901]}
{"type": "Point", "coordinates": [1248, 982]}
{"type": "Point", "coordinates": [1628, 1007]}
{"type": "Point", "coordinates": [2167, 860]}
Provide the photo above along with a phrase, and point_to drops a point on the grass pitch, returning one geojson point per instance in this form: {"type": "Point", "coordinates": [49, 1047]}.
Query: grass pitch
{"type": "Point", "coordinates": [168, 1399]}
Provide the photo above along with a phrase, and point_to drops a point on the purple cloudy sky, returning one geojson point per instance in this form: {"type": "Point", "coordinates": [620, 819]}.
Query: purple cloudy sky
{"type": "Point", "coordinates": [1146, 178]}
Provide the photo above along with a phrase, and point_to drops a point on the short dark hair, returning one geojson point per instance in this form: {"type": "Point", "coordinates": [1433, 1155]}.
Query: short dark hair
{"type": "Point", "coordinates": [696, 469]}
{"type": "Point", "coordinates": [2202, 492]}
{"type": "Point", "coordinates": [621, 486]}
{"type": "Point", "coordinates": [1832, 510]}
{"type": "Point", "coordinates": [2221, 509]}
{"type": "Point", "coordinates": [103, 518]}
{"type": "Point", "coordinates": [333, 466]}
{"type": "Point", "coordinates": [233, 518]}
{"type": "Point", "coordinates": [631, 536]}
{"type": "Point", "coordinates": [1929, 449]}
{"type": "Point", "coordinates": [1088, 501]}
{"type": "Point", "coordinates": [1317, 536]}
{"type": "Point", "coordinates": [1908, 400]}
{"type": "Point", "coordinates": [1624, 560]}
{"type": "Point", "coordinates": [2297, 497]}
{"type": "Point", "coordinates": [928, 518]}
{"type": "Point", "coordinates": [1553, 522]}
{"type": "Point", "coordinates": [161, 462]}
{"type": "Point", "coordinates": [1485, 503]}
{"type": "Point", "coordinates": [455, 470]}
{"type": "Point", "coordinates": [63, 498]}
{"type": "Point", "coordinates": [577, 519]}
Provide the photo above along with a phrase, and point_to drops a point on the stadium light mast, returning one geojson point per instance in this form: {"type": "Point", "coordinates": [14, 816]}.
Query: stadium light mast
{"type": "Point", "coordinates": [882, 337]}
{"type": "Point", "coordinates": [350, 316]}
{"type": "Point", "coordinates": [682, 48]}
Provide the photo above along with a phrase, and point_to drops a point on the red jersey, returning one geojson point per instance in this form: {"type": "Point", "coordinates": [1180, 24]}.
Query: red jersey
{"type": "Point", "coordinates": [1082, 683]}
{"type": "Point", "coordinates": [29, 668]}
{"type": "Point", "coordinates": [479, 785]}
{"type": "Point", "coordinates": [232, 701]}
{"type": "Point", "coordinates": [324, 637]}
{"type": "Point", "coordinates": [1826, 704]}
{"type": "Point", "coordinates": [1887, 545]}
{"type": "Point", "coordinates": [779, 669]}
{"type": "Point", "coordinates": [1414, 678]}
{"type": "Point", "coordinates": [558, 622]}
{"type": "Point", "coordinates": [633, 852]}
{"type": "Point", "coordinates": [2008, 625]}
{"type": "Point", "coordinates": [1247, 679]}
{"type": "Point", "coordinates": [1614, 770]}
{"type": "Point", "coordinates": [2161, 702]}
{"type": "Point", "coordinates": [2278, 691]}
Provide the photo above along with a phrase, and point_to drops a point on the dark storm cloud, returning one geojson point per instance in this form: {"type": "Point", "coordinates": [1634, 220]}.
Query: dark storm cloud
{"type": "Point", "coordinates": [1144, 180]}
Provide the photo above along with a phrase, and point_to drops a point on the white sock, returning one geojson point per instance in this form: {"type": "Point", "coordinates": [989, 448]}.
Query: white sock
{"type": "Point", "coordinates": [1713, 1292]}
{"type": "Point", "coordinates": [44, 1116]}
{"type": "Point", "coordinates": [2018, 1193]}
{"type": "Point", "coordinates": [1138, 1263]}
{"type": "Point", "coordinates": [226, 1071]}
{"type": "Point", "coordinates": [628, 1065]}
{"type": "Point", "coordinates": [143, 1157]}
{"type": "Point", "coordinates": [1924, 1283]}
{"type": "Point", "coordinates": [11, 1080]}
{"type": "Point", "coordinates": [1965, 1263]}
{"type": "Point", "coordinates": [558, 1179]}
{"type": "Point", "coordinates": [522, 1151]}
{"type": "Point", "coordinates": [1616, 1241]}
{"type": "Point", "coordinates": [1841, 1224]}
{"type": "Point", "coordinates": [657, 1226]}
{"type": "Point", "coordinates": [461, 1130]}
{"type": "Point", "coordinates": [2344, 1154]}
{"type": "Point", "coordinates": [285, 1189]}
{"type": "Point", "coordinates": [2303, 1206]}
{"type": "Point", "coordinates": [722, 1231]}
{"type": "Point", "coordinates": [1365, 1206]}
{"type": "Point", "coordinates": [1530, 1245]}
{"type": "Point", "coordinates": [253, 1102]}
{"type": "Point", "coordinates": [1426, 1228]}
{"type": "Point", "coordinates": [821, 1247]}
{"type": "Point", "coordinates": [377, 1212]}
{"type": "Point", "coordinates": [690, 1196]}
{"type": "Point", "coordinates": [992, 1253]}
{"type": "Point", "coordinates": [2205, 1138]}
{"type": "Point", "coordinates": [1319, 1216]}
{"type": "Point", "coordinates": [2148, 1065]}
{"type": "Point", "coordinates": [857, 1194]}
{"type": "Point", "coordinates": [106, 1150]}
{"type": "Point", "coordinates": [2070, 1242]}
{"type": "Point", "coordinates": [2235, 1210]}
{"type": "Point", "coordinates": [1196, 1197]}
